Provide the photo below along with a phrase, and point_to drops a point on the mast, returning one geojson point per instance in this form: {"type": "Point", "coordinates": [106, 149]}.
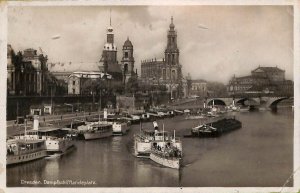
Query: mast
{"type": "Point", "coordinates": [25, 127]}
{"type": "Point", "coordinates": [163, 132]}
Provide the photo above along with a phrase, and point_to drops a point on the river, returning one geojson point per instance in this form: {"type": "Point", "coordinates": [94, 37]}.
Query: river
{"type": "Point", "coordinates": [260, 154]}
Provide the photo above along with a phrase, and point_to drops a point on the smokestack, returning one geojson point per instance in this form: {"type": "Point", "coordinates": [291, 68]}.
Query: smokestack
{"type": "Point", "coordinates": [105, 113]}
{"type": "Point", "coordinates": [155, 125]}
{"type": "Point", "coordinates": [36, 122]}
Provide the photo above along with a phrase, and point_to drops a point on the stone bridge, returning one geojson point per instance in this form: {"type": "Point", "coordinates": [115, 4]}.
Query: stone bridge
{"type": "Point", "coordinates": [257, 102]}
{"type": "Point", "coordinates": [264, 102]}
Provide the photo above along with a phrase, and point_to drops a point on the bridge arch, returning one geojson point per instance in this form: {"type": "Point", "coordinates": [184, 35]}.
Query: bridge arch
{"type": "Point", "coordinates": [274, 102]}
{"type": "Point", "coordinates": [216, 102]}
{"type": "Point", "coordinates": [250, 101]}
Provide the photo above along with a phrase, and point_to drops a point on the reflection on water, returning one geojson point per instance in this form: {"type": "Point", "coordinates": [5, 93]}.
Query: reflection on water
{"type": "Point", "coordinates": [258, 154]}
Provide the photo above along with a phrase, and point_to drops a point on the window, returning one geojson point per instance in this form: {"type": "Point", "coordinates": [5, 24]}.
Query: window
{"type": "Point", "coordinates": [73, 82]}
{"type": "Point", "coordinates": [73, 91]}
{"type": "Point", "coordinates": [126, 54]}
{"type": "Point", "coordinates": [125, 68]}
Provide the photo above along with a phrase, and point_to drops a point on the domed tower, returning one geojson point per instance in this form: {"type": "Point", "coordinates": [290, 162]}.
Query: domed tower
{"type": "Point", "coordinates": [127, 60]}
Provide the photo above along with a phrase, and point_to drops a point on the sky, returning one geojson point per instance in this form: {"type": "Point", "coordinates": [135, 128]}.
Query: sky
{"type": "Point", "coordinates": [215, 42]}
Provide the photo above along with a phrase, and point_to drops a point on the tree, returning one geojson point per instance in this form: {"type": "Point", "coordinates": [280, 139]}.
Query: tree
{"type": "Point", "coordinates": [132, 85]}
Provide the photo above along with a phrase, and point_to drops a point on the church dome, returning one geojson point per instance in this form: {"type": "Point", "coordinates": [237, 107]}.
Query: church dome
{"type": "Point", "coordinates": [128, 43]}
{"type": "Point", "coordinates": [172, 26]}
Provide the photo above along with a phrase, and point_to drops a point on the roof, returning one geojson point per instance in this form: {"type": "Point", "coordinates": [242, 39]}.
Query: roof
{"type": "Point", "coordinates": [128, 43]}
{"type": "Point", "coordinates": [91, 74]}
{"type": "Point", "coordinates": [268, 69]}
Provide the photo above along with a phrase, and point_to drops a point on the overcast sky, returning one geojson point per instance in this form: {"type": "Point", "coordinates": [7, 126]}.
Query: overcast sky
{"type": "Point", "coordinates": [215, 42]}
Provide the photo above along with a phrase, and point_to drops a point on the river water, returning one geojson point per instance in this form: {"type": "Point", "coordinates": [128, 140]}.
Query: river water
{"type": "Point", "coordinates": [260, 154]}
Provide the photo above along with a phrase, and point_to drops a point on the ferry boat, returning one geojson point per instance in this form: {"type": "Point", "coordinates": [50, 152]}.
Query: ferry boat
{"type": "Point", "coordinates": [215, 129]}
{"type": "Point", "coordinates": [146, 139]}
{"type": "Point", "coordinates": [95, 130]}
{"type": "Point", "coordinates": [54, 143]}
{"type": "Point", "coordinates": [166, 151]}
{"type": "Point", "coordinates": [20, 151]}
{"type": "Point", "coordinates": [56, 139]}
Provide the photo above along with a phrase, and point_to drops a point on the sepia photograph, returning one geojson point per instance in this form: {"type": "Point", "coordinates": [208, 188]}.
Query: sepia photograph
{"type": "Point", "coordinates": [177, 96]}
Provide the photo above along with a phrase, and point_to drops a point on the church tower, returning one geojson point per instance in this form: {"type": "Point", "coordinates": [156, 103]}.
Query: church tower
{"type": "Point", "coordinates": [127, 60]}
{"type": "Point", "coordinates": [109, 54]}
{"type": "Point", "coordinates": [172, 55]}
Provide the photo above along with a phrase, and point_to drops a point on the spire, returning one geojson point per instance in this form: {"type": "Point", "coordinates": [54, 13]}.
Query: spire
{"type": "Point", "coordinates": [109, 17]}
{"type": "Point", "coordinates": [172, 26]}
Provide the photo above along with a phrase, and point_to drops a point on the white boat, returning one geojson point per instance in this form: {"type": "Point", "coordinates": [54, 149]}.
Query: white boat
{"type": "Point", "coordinates": [95, 130]}
{"type": "Point", "coordinates": [167, 151]}
{"type": "Point", "coordinates": [167, 158]}
{"type": "Point", "coordinates": [143, 142]}
{"type": "Point", "coordinates": [120, 128]}
{"type": "Point", "coordinates": [146, 139]}
{"type": "Point", "coordinates": [54, 142]}
{"type": "Point", "coordinates": [19, 150]}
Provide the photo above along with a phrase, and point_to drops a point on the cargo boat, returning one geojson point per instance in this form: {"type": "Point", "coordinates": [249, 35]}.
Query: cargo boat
{"type": "Point", "coordinates": [215, 129]}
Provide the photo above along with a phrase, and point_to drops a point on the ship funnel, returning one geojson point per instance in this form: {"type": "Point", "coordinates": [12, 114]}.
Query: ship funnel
{"type": "Point", "coordinates": [105, 113]}
{"type": "Point", "coordinates": [36, 122]}
{"type": "Point", "coordinates": [155, 125]}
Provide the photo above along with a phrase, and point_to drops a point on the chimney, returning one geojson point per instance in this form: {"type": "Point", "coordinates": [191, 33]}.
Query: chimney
{"type": "Point", "coordinates": [105, 113]}
{"type": "Point", "coordinates": [36, 122]}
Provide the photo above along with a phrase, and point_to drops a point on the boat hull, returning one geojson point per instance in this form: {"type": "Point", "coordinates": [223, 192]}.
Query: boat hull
{"type": "Point", "coordinates": [97, 135]}
{"type": "Point", "coordinates": [120, 129]}
{"type": "Point", "coordinates": [16, 159]}
{"type": "Point", "coordinates": [166, 161]}
{"type": "Point", "coordinates": [142, 149]}
{"type": "Point", "coordinates": [59, 145]}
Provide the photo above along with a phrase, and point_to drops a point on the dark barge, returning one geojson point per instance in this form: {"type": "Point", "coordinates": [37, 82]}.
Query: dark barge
{"type": "Point", "coordinates": [215, 129]}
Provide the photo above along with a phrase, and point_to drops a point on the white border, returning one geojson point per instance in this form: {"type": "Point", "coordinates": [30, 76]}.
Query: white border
{"type": "Point", "coordinates": [3, 59]}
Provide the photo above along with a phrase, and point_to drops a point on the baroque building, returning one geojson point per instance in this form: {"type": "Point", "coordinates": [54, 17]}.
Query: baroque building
{"type": "Point", "coordinates": [109, 56]}
{"type": "Point", "coordinates": [28, 74]}
{"type": "Point", "coordinates": [263, 80]}
{"type": "Point", "coordinates": [166, 71]}
{"type": "Point", "coordinates": [109, 62]}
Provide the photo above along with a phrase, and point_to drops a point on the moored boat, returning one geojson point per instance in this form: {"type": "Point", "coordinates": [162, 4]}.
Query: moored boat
{"type": "Point", "coordinates": [95, 130]}
{"type": "Point", "coordinates": [20, 150]}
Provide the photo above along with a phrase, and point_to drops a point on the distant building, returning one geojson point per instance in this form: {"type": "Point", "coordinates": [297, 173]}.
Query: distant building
{"type": "Point", "coordinates": [263, 80]}
{"type": "Point", "coordinates": [77, 79]}
{"type": "Point", "coordinates": [28, 74]}
{"type": "Point", "coordinates": [166, 71]}
{"type": "Point", "coordinates": [198, 88]}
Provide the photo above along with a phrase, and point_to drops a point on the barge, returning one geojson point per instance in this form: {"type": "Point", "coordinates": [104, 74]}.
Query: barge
{"type": "Point", "coordinates": [215, 129]}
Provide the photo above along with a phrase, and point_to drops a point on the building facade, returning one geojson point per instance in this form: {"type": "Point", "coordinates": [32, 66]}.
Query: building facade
{"type": "Point", "coordinates": [76, 82]}
{"type": "Point", "coordinates": [28, 74]}
{"type": "Point", "coordinates": [263, 80]}
{"type": "Point", "coordinates": [198, 88]}
{"type": "Point", "coordinates": [166, 71]}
